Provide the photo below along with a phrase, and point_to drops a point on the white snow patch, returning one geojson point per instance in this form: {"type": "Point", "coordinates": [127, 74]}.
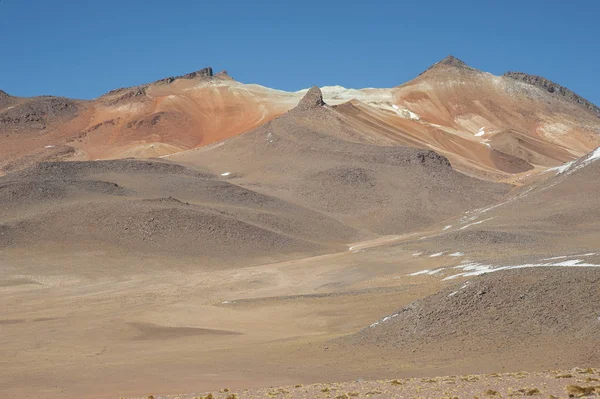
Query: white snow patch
{"type": "Point", "coordinates": [562, 168]}
{"type": "Point", "coordinates": [225, 302]}
{"type": "Point", "coordinates": [378, 98]}
{"type": "Point", "coordinates": [436, 255]}
{"type": "Point", "coordinates": [480, 133]}
{"type": "Point", "coordinates": [386, 318]}
{"type": "Point", "coordinates": [406, 113]}
{"type": "Point", "coordinates": [49, 146]}
{"type": "Point", "coordinates": [461, 288]}
{"type": "Point", "coordinates": [570, 256]}
{"type": "Point", "coordinates": [456, 254]}
{"type": "Point", "coordinates": [475, 223]}
{"type": "Point", "coordinates": [476, 269]}
{"type": "Point", "coordinates": [594, 155]}
{"type": "Point", "coordinates": [428, 272]}
{"type": "Point", "coordinates": [572, 262]}
{"type": "Point", "coordinates": [426, 237]}
{"type": "Point", "coordinates": [417, 254]}
{"type": "Point", "coordinates": [577, 164]}
{"type": "Point", "coordinates": [447, 227]}
{"type": "Point", "coordinates": [225, 174]}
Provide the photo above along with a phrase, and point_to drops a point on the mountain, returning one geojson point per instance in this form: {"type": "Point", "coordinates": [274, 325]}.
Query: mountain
{"type": "Point", "coordinates": [163, 117]}
{"type": "Point", "coordinates": [496, 125]}
{"type": "Point", "coordinates": [301, 184]}
{"type": "Point", "coordinates": [499, 128]}
{"type": "Point", "coordinates": [314, 156]}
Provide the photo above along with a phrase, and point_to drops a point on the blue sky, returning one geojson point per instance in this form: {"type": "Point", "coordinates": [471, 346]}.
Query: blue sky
{"type": "Point", "coordinates": [84, 48]}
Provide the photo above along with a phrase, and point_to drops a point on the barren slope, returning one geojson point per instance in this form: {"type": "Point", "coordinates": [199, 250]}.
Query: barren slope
{"type": "Point", "coordinates": [315, 157]}
{"type": "Point", "coordinates": [150, 120]}
{"type": "Point", "coordinates": [536, 317]}
{"type": "Point", "coordinates": [555, 216]}
{"type": "Point", "coordinates": [151, 207]}
{"type": "Point", "coordinates": [526, 272]}
{"type": "Point", "coordinates": [488, 126]}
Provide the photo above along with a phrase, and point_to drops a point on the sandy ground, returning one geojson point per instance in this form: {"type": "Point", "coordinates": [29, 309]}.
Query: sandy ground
{"type": "Point", "coordinates": [85, 336]}
{"type": "Point", "coordinates": [75, 335]}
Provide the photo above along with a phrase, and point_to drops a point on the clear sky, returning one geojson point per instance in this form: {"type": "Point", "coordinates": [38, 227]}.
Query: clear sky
{"type": "Point", "coordinates": [82, 48]}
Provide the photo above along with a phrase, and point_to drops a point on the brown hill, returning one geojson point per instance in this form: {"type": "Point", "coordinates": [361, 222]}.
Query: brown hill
{"type": "Point", "coordinates": [553, 216]}
{"type": "Point", "coordinates": [315, 156]}
{"type": "Point", "coordinates": [150, 120]}
{"type": "Point", "coordinates": [151, 207]}
{"type": "Point", "coordinates": [535, 317]}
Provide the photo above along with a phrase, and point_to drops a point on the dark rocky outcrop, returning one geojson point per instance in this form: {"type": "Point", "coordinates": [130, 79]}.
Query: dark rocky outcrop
{"type": "Point", "coordinates": [553, 88]}
{"type": "Point", "coordinates": [5, 99]}
{"type": "Point", "coordinates": [116, 96]}
{"type": "Point", "coordinates": [223, 75]}
{"type": "Point", "coordinates": [110, 122]}
{"type": "Point", "coordinates": [147, 121]}
{"type": "Point", "coordinates": [453, 61]}
{"type": "Point", "coordinates": [38, 112]}
{"type": "Point", "coordinates": [203, 73]}
{"type": "Point", "coordinates": [312, 99]}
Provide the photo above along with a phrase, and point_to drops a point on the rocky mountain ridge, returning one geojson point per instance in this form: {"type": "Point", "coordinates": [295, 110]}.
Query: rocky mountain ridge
{"type": "Point", "coordinates": [553, 88]}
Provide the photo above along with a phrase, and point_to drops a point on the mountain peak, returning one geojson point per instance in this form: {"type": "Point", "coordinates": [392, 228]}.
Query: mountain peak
{"type": "Point", "coordinates": [312, 99]}
{"type": "Point", "coordinates": [450, 61]}
{"type": "Point", "coordinates": [4, 94]}
{"type": "Point", "coordinates": [453, 61]}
